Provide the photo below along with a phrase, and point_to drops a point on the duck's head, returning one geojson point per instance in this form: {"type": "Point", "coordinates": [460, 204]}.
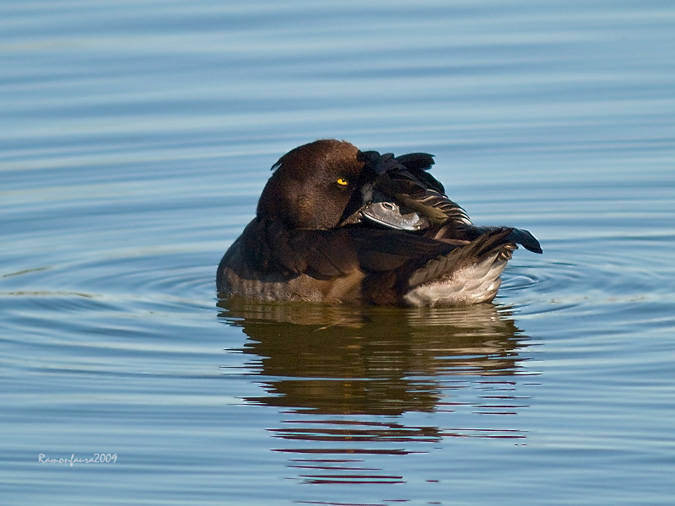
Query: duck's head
{"type": "Point", "coordinates": [329, 183]}
{"type": "Point", "coordinates": [320, 185]}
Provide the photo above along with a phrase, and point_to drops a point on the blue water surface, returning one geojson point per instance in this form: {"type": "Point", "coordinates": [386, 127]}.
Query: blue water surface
{"type": "Point", "coordinates": [136, 138]}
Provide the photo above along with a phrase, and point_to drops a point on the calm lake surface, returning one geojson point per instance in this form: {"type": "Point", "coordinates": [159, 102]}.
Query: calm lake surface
{"type": "Point", "coordinates": [135, 140]}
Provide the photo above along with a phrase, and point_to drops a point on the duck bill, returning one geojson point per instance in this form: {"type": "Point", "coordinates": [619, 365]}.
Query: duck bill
{"type": "Point", "coordinates": [376, 208]}
{"type": "Point", "coordinates": [389, 214]}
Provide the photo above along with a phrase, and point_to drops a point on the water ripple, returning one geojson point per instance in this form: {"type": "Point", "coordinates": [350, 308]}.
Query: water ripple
{"type": "Point", "coordinates": [599, 273]}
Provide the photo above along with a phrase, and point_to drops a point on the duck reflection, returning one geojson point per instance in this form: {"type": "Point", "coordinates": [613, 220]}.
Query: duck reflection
{"type": "Point", "coordinates": [339, 360]}
{"type": "Point", "coordinates": [346, 377]}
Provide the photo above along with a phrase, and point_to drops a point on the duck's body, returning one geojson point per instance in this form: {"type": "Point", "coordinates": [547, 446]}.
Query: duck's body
{"type": "Point", "coordinates": [314, 240]}
{"type": "Point", "coordinates": [241, 273]}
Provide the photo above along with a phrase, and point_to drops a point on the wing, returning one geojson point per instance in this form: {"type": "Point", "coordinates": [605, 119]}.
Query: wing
{"type": "Point", "coordinates": [338, 252]}
{"type": "Point", "coordinates": [406, 181]}
{"type": "Point", "coordinates": [452, 230]}
{"type": "Point", "coordinates": [381, 250]}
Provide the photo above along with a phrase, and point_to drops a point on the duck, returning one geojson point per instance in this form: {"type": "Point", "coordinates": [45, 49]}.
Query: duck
{"type": "Point", "coordinates": [337, 225]}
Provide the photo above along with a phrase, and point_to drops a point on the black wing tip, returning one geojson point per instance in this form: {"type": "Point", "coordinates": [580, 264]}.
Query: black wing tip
{"type": "Point", "coordinates": [535, 249]}
{"type": "Point", "coordinates": [526, 240]}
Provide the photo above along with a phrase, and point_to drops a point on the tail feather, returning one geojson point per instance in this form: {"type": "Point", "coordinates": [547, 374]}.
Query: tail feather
{"type": "Point", "coordinates": [495, 242]}
{"type": "Point", "coordinates": [466, 275]}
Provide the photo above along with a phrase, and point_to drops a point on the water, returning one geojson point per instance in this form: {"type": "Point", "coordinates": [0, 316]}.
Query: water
{"type": "Point", "coordinates": [136, 138]}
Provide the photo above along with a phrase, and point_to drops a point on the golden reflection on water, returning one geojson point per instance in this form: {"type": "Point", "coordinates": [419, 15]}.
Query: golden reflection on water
{"type": "Point", "coordinates": [344, 377]}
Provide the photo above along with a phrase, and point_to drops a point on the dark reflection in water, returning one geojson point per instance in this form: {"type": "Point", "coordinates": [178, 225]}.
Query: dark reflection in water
{"type": "Point", "coordinates": [345, 377]}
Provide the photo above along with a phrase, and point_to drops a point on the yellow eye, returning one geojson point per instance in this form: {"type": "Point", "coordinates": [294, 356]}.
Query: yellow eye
{"type": "Point", "coordinates": [342, 182]}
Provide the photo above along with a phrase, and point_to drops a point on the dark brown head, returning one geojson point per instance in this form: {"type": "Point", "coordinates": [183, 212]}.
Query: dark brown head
{"type": "Point", "coordinates": [313, 185]}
